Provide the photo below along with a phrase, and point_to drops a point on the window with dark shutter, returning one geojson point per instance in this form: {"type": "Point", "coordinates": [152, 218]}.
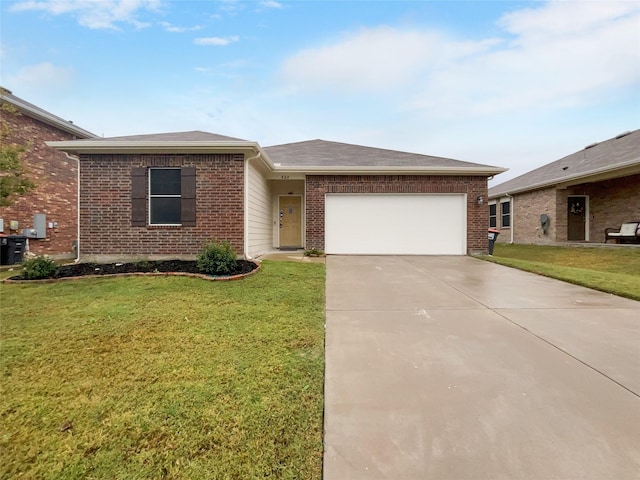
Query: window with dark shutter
{"type": "Point", "coordinates": [168, 194]}
{"type": "Point", "coordinates": [506, 214]}
{"type": "Point", "coordinates": [492, 216]}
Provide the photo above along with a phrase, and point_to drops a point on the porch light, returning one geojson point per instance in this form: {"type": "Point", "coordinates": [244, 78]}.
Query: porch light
{"type": "Point", "coordinates": [480, 199]}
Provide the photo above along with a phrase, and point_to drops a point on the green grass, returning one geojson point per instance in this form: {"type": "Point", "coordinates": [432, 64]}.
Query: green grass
{"type": "Point", "coordinates": [612, 270]}
{"type": "Point", "coordinates": [164, 377]}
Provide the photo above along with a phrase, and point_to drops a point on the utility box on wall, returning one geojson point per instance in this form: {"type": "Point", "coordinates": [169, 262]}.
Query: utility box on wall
{"type": "Point", "coordinates": [40, 225]}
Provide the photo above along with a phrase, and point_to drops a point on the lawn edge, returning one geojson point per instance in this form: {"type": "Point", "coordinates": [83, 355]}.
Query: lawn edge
{"type": "Point", "coordinates": [514, 263]}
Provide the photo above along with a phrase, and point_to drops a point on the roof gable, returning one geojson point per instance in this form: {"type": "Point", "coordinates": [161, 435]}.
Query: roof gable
{"type": "Point", "coordinates": [616, 153]}
{"type": "Point", "coordinates": [322, 153]}
{"type": "Point", "coordinates": [191, 136]}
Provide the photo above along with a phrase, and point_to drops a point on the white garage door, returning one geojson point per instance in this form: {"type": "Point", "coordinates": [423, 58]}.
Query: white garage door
{"type": "Point", "coordinates": [396, 224]}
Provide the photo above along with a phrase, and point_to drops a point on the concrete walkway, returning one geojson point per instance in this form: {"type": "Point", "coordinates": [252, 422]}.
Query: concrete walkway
{"type": "Point", "coordinates": [455, 368]}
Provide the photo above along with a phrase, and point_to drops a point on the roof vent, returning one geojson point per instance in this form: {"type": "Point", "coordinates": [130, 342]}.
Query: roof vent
{"type": "Point", "coordinates": [591, 146]}
{"type": "Point", "coordinates": [623, 135]}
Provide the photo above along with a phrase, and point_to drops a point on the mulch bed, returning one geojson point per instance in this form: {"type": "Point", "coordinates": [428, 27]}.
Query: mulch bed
{"type": "Point", "coordinates": [243, 267]}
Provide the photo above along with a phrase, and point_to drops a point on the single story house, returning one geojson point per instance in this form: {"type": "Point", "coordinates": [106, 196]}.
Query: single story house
{"type": "Point", "coordinates": [167, 195]}
{"type": "Point", "coordinates": [573, 199]}
{"type": "Point", "coordinates": [48, 214]}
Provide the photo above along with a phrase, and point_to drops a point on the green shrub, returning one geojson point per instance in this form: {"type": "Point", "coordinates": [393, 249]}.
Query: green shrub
{"type": "Point", "coordinates": [313, 252]}
{"type": "Point", "coordinates": [217, 258]}
{"type": "Point", "coordinates": [38, 267]}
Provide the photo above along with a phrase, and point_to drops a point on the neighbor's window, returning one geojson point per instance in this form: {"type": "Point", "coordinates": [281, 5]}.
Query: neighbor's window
{"type": "Point", "coordinates": [164, 196]}
{"type": "Point", "coordinates": [505, 207]}
{"type": "Point", "coordinates": [492, 215]}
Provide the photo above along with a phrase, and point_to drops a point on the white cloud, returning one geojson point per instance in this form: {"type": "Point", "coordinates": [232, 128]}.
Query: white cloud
{"type": "Point", "coordinates": [41, 76]}
{"type": "Point", "coordinates": [94, 14]}
{"type": "Point", "coordinates": [558, 54]}
{"type": "Point", "coordinates": [216, 41]}
{"type": "Point", "coordinates": [270, 4]}
{"type": "Point", "coordinates": [175, 29]}
{"type": "Point", "coordinates": [377, 59]}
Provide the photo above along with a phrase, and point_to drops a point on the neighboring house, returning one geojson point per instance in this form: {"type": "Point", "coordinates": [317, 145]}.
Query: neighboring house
{"type": "Point", "coordinates": [167, 195]}
{"type": "Point", "coordinates": [572, 199]}
{"type": "Point", "coordinates": [54, 201]}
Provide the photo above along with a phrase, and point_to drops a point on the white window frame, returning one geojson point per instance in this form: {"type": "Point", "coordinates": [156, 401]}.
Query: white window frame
{"type": "Point", "coordinates": [151, 197]}
{"type": "Point", "coordinates": [507, 201]}
{"type": "Point", "coordinates": [493, 203]}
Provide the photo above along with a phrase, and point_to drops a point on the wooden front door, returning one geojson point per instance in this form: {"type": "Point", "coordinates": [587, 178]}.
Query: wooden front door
{"type": "Point", "coordinates": [290, 212]}
{"type": "Point", "coordinates": [576, 218]}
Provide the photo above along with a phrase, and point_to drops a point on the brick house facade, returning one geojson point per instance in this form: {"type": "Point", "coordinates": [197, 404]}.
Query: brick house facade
{"type": "Point", "coordinates": [167, 195]}
{"type": "Point", "coordinates": [601, 181]}
{"type": "Point", "coordinates": [107, 227]}
{"type": "Point", "coordinates": [54, 174]}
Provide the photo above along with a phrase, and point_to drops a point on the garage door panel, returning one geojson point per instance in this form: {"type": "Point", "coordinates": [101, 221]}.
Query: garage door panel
{"type": "Point", "coordinates": [395, 224]}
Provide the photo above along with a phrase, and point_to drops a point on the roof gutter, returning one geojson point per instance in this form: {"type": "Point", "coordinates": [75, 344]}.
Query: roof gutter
{"type": "Point", "coordinates": [110, 146]}
{"type": "Point", "coordinates": [389, 170]}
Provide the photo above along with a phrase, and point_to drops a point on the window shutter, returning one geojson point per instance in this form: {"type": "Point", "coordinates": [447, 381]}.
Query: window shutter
{"type": "Point", "coordinates": [188, 194]}
{"type": "Point", "coordinates": [138, 197]}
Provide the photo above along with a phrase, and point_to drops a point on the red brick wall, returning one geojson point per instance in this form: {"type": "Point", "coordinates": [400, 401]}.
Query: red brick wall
{"type": "Point", "coordinates": [55, 177]}
{"type": "Point", "coordinates": [611, 203]}
{"type": "Point", "coordinates": [525, 218]}
{"type": "Point", "coordinates": [319, 185]}
{"type": "Point", "coordinates": [105, 207]}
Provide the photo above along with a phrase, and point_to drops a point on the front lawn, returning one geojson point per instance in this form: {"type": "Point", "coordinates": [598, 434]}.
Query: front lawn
{"type": "Point", "coordinates": [612, 270]}
{"type": "Point", "coordinates": [164, 377]}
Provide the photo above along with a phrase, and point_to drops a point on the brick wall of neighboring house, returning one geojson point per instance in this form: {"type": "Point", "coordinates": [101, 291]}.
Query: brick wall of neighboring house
{"type": "Point", "coordinates": [525, 218]}
{"type": "Point", "coordinates": [55, 176]}
{"type": "Point", "coordinates": [319, 185]}
{"type": "Point", "coordinates": [106, 230]}
{"type": "Point", "coordinates": [611, 203]}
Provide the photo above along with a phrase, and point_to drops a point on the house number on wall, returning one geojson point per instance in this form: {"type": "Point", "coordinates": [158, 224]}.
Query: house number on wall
{"type": "Point", "coordinates": [284, 177]}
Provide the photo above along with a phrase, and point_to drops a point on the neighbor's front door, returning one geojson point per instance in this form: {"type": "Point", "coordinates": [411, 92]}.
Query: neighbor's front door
{"type": "Point", "coordinates": [576, 219]}
{"type": "Point", "coordinates": [290, 211]}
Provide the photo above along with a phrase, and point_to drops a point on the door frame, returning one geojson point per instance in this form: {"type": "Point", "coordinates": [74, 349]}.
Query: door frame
{"type": "Point", "coordinates": [586, 217]}
{"type": "Point", "coordinates": [302, 218]}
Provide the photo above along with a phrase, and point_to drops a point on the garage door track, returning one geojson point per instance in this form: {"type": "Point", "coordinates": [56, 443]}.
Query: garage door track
{"type": "Point", "coordinates": [455, 368]}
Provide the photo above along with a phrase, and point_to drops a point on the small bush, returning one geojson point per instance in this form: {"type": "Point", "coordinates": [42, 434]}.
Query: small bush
{"type": "Point", "coordinates": [313, 252]}
{"type": "Point", "coordinates": [38, 267]}
{"type": "Point", "coordinates": [217, 258]}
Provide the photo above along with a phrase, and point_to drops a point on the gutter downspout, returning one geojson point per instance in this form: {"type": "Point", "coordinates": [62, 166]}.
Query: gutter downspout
{"type": "Point", "coordinates": [77, 160]}
{"type": "Point", "coordinates": [246, 205]}
{"type": "Point", "coordinates": [513, 217]}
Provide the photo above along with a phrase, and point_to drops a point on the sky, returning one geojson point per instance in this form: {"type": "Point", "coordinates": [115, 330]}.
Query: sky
{"type": "Point", "coordinates": [516, 84]}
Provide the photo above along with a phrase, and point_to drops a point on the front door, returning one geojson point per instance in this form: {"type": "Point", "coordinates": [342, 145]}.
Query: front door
{"type": "Point", "coordinates": [577, 219]}
{"type": "Point", "coordinates": [290, 211]}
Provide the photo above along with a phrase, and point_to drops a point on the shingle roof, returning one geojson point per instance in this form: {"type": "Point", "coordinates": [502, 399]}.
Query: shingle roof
{"type": "Point", "coordinates": [616, 153]}
{"type": "Point", "coordinates": [42, 115]}
{"type": "Point", "coordinates": [321, 153]}
{"type": "Point", "coordinates": [192, 136]}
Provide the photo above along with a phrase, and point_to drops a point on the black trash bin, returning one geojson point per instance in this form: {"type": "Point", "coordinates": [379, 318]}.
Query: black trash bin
{"type": "Point", "coordinates": [12, 250]}
{"type": "Point", "coordinates": [493, 236]}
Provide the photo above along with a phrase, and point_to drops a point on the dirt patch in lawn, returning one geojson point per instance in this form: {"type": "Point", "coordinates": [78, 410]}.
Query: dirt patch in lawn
{"type": "Point", "coordinates": [166, 267]}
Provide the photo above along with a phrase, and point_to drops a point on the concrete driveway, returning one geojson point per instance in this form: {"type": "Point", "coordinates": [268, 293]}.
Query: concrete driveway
{"type": "Point", "coordinates": [455, 368]}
